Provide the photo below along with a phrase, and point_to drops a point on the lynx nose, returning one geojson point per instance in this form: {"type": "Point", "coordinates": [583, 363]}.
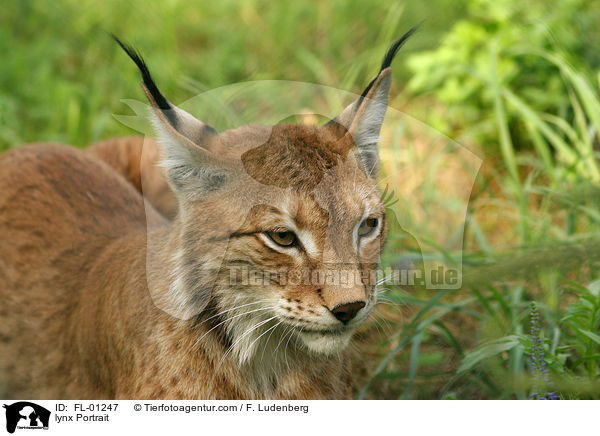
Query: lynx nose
{"type": "Point", "coordinates": [345, 312]}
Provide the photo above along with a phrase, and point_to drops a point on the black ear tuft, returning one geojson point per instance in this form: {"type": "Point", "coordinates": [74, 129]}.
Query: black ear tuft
{"type": "Point", "coordinates": [391, 53]}
{"type": "Point", "coordinates": [389, 57]}
{"type": "Point", "coordinates": [135, 56]}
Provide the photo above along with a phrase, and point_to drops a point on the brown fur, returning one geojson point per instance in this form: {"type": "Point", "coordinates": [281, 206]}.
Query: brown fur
{"type": "Point", "coordinates": [77, 320]}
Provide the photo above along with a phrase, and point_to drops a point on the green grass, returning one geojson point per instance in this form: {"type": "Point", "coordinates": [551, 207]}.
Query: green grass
{"type": "Point", "coordinates": [543, 250]}
{"type": "Point", "coordinates": [62, 76]}
{"type": "Point", "coordinates": [532, 222]}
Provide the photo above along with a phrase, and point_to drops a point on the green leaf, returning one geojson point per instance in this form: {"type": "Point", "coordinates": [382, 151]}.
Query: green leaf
{"type": "Point", "coordinates": [487, 350]}
{"type": "Point", "coordinates": [593, 336]}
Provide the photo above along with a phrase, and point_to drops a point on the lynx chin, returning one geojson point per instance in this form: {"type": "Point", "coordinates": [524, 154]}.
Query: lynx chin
{"type": "Point", "coordinates": [106, 293]}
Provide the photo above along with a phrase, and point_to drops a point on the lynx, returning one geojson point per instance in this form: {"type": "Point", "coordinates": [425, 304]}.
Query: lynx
{"type": "Point", "coordinates": [106, 296]}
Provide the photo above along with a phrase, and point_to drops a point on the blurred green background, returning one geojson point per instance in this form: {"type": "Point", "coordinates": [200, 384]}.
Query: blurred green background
{"type": "Point", "coordinates": [62, 75]}
{"type": "Point", "coordinates": [515, 81]}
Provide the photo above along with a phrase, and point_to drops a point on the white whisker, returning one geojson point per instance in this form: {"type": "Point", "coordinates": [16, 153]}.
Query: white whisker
{"type": "Point", "coordinates": [297, 337]}
{"type": "Point", "coordinates": [267, 342]}
{"type": "Point", "coordinates": [373, 189]}
{"type": "Point", "coordinates": [285, 350]}
{"type": "Point", "coordinates": [229, 319]}
{"type": "Point", "coordinates": [384, 279]}
{"type": "Point", "coordinates": [290, 328]}
{"type": "Point", "coordinates": [234, 308]}
{"type": "Point", "coordinates": [233, 346]}
{"type": "Point", "coordinates": [263, 333]}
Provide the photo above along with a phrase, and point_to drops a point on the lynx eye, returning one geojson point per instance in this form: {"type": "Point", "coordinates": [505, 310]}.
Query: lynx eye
{"type": "Point", "coordinates": [368, 226]}
{"type": "Point", "coordinates": [285, 238]}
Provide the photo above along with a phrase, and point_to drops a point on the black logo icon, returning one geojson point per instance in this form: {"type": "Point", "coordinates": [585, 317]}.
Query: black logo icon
{"type": "Point", "coordinates": [26, 415]}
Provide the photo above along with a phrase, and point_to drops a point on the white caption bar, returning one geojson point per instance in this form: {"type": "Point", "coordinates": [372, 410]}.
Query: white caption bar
{"type": "Point", "coordinates": [296, 417]}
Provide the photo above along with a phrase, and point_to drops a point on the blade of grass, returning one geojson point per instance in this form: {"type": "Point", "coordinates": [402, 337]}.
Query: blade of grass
{"type": "Point", "coordinates": [506, 145]}
{"type": "Point", "coordinates": [414, 363]}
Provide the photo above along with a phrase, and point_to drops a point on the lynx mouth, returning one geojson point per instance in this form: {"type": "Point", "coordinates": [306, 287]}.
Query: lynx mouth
{"type": "Point", "coordinates": [326, 332]}
{"type": "Point", "coordinates": [327, 341]}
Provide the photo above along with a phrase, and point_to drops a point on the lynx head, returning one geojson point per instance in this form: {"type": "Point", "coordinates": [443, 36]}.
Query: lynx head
{"type": "Point", "coordinates": [279, 228]}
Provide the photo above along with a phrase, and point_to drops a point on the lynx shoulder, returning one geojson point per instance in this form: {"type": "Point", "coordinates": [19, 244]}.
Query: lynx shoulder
{"type": "Point", "coordinates": [137, 158]}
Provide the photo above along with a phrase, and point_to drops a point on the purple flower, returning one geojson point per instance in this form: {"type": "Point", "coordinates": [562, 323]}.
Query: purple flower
{"type": "Point", "coordinates": [537, 364]}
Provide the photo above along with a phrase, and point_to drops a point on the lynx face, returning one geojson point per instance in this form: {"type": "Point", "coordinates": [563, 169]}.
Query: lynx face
{"type": "Point", "coordinates": [294, 233]}
{"type": "Point", "coordinates": [309, 252]}
{"type": "Point", "coordinates": [280, 227]}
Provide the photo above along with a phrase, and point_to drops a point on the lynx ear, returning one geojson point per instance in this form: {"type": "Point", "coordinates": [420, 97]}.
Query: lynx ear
{"type": "Point", "coordinates": [363, 118]}
{"type": "Point", "coordinates": [190, 167]}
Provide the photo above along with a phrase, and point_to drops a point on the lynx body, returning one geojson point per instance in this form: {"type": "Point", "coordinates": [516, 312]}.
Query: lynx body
{"type": "Point", "coordinates": [105, 296]}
